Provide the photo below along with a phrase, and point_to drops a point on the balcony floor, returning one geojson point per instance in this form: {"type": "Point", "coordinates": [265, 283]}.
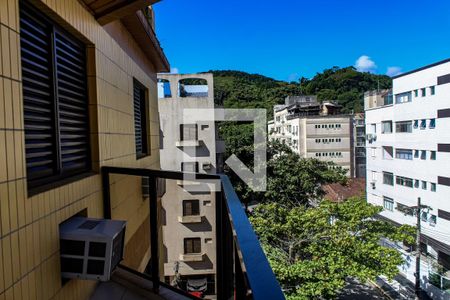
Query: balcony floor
{"type": "Point", "coordinates": [125, 285]}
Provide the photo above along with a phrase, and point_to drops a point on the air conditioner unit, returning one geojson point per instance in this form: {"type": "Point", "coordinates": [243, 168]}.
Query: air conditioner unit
{"type": "Point", "coordinates": [371, 137]}
{"type": "Point", "coordinates": [91, 248]}
{"type": "Point", "coordinates": [207, 166]}
{"type": "Point", "coordinates": [373, 184]}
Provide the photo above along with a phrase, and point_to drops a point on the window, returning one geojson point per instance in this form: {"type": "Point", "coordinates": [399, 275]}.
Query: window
{"type": "Point", "coordinates": [416, 124]}
{"type": "Point", "coordinates": [404, 181]}
{"type": "Point", "coordinates": [189, 167]}
{"type": "Point", "coordinates": [404, 154]}
{"type": "Point", "coordinates": [423, 124]}
{"type": "Point", "coordinates": [403, 126]}
{"type": "Point", "coordinates": [424, 185]}
{"type": "Point", "coordinates": [388, 152]}
{"type": "Point", "coordinates": [388, 203]}
{"type": "Point", "coordinates": [403, 98]}
{"type": "Point", "coordinates": [424, 92]}
{"type": "Point", "coordinates": [424, 216]}
{"type": "Point", "coordinates": [432, 123]}
{"type": "Point", "coordinates": [416, 93]}
{"type": "Point", "coordinates": [141, 122]}
{"type": "Point", "coordinates": [191, 207]}
{"type": "Point", "coordinates": [423, 154]}
{"type": "Point", "coordinates": [386, 127]}
{"type": "Point", "coordinates": [433, 187]}
{"type": "Point", "coordinates": [416, 153]}
{"type": "Point", "coordinates": [56, 117]}
{"type": "Point", "coordinates": [192, 246]}
{"type": "Point", "coordinates": [189, 132]}
{"type": "Point", "coordinates": [432, 90]}
{"type": "Point", "coordinates": [432, 220]}
{"type": "Point", "coordinates": [416, 183]}
{"type": "Point", "coordinates": [388, 178]}
{"type": "Point", "coordinates": [433, 155]}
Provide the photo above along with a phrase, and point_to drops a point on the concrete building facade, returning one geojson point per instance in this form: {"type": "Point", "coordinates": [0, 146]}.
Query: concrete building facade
{"type": "Point", "coordinates": [314, 130]}
{"type": "Point", "coordinates": [408, 154]}
{"type": "Point", "coordinates": [359, 146]}
{"type": "Point", "coordinates": [189, 223]}
{"type": "Point", "coordinates": [43, 182]}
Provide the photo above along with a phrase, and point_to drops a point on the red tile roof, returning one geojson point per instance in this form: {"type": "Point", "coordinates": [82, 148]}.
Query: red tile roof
{"type": "Point", "coordinates": [337, 192]}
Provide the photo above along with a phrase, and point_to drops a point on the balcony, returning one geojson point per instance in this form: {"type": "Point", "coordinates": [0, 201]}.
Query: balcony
{"type": "Point", "coordinates": [242, 269]}
{"type": "Point", "coordinates": [189, 219]}
{"type": "Point", "coordinates": [188, 143]}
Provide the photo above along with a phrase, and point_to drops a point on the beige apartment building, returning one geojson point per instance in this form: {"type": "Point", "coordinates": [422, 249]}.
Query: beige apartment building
{"type": "Point", "coordinates": [314, 130]}
{"type": "Point", "coordinates": [189, 207]}
{"type": "Point", "coordinates": [78, 92]}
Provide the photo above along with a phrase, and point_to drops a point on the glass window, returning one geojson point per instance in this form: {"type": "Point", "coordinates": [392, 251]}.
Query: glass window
{"type": "Point", "coordinates": [432, 220]}
{"type": "Point", "coordinates": [404, 181]}
{"type": "Point", "coordinates": [423, 124]}
{"type": "Point", "coordinates": [424, 216]}
{"type": "Point", "coordinates": [433, 155]}
{"type": "Point", "coordinates": [191, 207]}
{"type": "Point", "coordinates": [416, 93]}
{"type": "Point", "coordinates": [416, 124]}
{"type": "Point", "coordinates": [433, 186]}
{"type": "Point", "coordinates": [190, 166]}
{"type": "Point", "coordinates": [424, 185]}
{"type": "Point", "coordinates": [388, 203]}
{"type": "Point", "coordinates": [188, 132]}
{"type": "Point", "coordinates": [386, 127]}
{"type": "Point", "coordinates": [192, 245]}
{"type": "Point", "coordinates": [416, 183]}
{"type": "Point", "coordinates": [432, 90]}
{"type": "Point", "coordinates": [432, 123]}
{"type": "Point", "coordinates": [423, 155]}
{"type": "Point", "coordinates": [416, 153]}
{"type": "Point", "coordinates": [404, 154]}
{"type": "Point", "coordinates": [403, 126]}
{"type": "Point", "coordinates": [424, 92]}
{"type": "Point", "coordinates": [388, 178]}
{"type": "Point", "coordinates": [403, 98]}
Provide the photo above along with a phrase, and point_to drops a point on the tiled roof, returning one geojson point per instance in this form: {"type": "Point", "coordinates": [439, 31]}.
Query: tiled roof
{"type": "Point", "coordinates": [337, 192]}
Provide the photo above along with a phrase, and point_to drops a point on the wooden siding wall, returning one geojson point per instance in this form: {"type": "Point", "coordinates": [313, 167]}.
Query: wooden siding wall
{"type": "Point", "coordinates": [29, 244]}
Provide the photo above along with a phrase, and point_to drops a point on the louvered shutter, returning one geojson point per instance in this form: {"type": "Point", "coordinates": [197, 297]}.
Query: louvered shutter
{"type": "Point", "coordinates": [72, 104]}
{"type": "Point", "coordinates": [140, 119]}
{"type": "Point", "coordinates": [39, 109]}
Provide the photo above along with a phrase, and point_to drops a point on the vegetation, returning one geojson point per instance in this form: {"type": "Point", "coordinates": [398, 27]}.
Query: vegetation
{"type": "Point", "coordinates": [313, 250]}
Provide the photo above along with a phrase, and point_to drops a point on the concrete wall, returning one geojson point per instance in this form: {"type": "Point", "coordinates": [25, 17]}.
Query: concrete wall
{"type": "Point", "coordinates": [29, 258]}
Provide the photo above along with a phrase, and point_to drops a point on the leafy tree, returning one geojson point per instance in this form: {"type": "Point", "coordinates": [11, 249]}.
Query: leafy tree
{"type": "Point", "coordinates": [313, 250]}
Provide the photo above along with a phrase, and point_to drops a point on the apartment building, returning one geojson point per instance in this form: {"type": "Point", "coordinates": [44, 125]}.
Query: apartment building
{"type": "Point", "coordinates": [76, 78]}
{"type": "Point", "coordinates": [189, 227]}
{"type": "Point", "coordinates": [408, 154]}
{"type": "Point", "coordinates": [359, 146]}
{"type": "Point", "coordinates": [314, 130]}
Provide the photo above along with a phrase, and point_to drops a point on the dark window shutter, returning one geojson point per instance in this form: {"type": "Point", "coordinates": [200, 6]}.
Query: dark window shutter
{"type": "Point", "coordinates": [72, 104]}
{"type": "Point", "coordinates": [39, 110]}
{"type": "Point", "coordinates": [140, 119]}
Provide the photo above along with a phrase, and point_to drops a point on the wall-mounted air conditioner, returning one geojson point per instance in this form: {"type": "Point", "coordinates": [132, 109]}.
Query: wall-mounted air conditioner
{"type": "Point", "coordinates": [373, 184]}
{"type": "Point", "coordinates": [371, 137]}
{"type": "Point", "coordinates": [90, 248]}
{"type": "Point", "coordinates": [206, 166]}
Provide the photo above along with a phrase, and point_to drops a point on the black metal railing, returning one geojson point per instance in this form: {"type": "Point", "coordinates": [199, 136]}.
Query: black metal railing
{"type": "Point", "coordinates": [243, 271]}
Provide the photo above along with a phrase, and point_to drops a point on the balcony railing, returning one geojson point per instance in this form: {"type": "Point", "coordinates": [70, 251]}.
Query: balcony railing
{"type": "Point", "coordinates": [242, 269]}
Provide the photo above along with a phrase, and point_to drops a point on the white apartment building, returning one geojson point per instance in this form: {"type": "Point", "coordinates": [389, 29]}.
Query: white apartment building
{"type": "Point", "coordinates": [314, 130]}
{"type": "Point", "coordinates": [189, 219]}
{"type": "Point", "coordinates": [408, 154]}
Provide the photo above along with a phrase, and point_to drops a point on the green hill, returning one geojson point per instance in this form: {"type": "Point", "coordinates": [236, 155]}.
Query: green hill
{"type": "Point", "coordinates": [236, 89]}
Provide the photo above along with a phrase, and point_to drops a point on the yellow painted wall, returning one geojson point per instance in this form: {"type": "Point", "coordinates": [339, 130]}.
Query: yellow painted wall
{"type": "Point", "coordinates": [29, 244]}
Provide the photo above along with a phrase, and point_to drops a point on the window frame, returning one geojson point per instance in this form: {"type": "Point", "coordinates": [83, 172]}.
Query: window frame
{"type": "Point", "coordinates": [144, 118]}
{"type": "Point", "coordinates": [388, 203]}
{"type": "Point", "coordinates": [192, 247]}
{"type": "Point", "coordinates": [194, 209]}
{"type": "Point", "coordinates": [386, 179]}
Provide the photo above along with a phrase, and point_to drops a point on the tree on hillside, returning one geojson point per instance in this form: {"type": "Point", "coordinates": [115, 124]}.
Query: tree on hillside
{"type": "Point", "coordinates": [312, 251]}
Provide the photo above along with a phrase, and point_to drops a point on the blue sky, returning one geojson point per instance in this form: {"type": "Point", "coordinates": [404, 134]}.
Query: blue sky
{"type": "Point", "coordinates": [286, 39]}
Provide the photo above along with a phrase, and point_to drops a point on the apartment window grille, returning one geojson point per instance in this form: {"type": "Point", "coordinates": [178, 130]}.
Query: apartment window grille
{"type": "Point", "coordinates": [386, 127]}
{"type": "Point", "coordinates": [192, 246]}
{"type": "Point", "coordinates": [432, 123]}
{"type": "Point", "coordinates": [403, 126]}
{"type": "Point", "coordinates": [423, 124]}
{"type": "Point", "coordinates": [416, 153]}
{"type": "Point", "coordinates": [189, 132]}
{"type": "Point", "coordinates": [423, 155]}
{"type": "Point", "coordinates": [433, 155]}
{"type": "Point", "coordinates": [388, 203]}
{"type": "Point", "coordinates": [55, 98]}
{"type": "Point", "coordinates": [141, 121]}
{"type": "Point", "coordinates": [404, 154]}
{"type": "Point", "coordinates": [388, 178]}
{"type": "Point", "coordinates": [424, 185]}
{"type": "Point", "coordinates": [191, 207]}
{"type": "Point", "coordinates": [432, 90]}
{"type": "Point", "coordinates": [404, 181]}
{"type": "Point", "coordinates": [416, 183]}
{"type": "Point", "coordinates": [433, 187]}
{"type": "Point", "coordinates": [189, 167]}
{"type": "Point", "coordinates": [424, 92]}
{"type": "Point", "coordinates": [416, 93]}
{"type": "Point", "coordinates": [403, 98]}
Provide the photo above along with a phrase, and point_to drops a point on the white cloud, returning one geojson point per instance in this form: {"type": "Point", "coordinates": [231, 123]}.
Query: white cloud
{"type": "Point", "coordinates": [365, 64]}
{"type": "Point", "coordinates": [393, 71]}
{"type": "Point", "coordinates": [174, 70]}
